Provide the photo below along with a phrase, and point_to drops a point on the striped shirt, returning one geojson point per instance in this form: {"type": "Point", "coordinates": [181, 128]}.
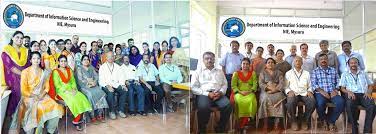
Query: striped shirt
{"type": "Point", "coordinates": [357, 83]}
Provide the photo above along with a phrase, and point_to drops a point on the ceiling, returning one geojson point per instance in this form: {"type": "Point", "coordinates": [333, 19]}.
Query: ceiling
{"type": "Point", "coordinates": [283, 4]}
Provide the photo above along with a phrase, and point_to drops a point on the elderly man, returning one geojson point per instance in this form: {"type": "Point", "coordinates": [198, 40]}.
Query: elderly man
{"type": "Point", "coordinates": [298, 88]}
{"type": "Point", "coordinates": [292, 56]}
{"type": "Point", "coordinates": [210, 85]}
{"type": "Point", "coordinates": [332, 56]}
{"type": "Point", "coordinates": [358, 89]}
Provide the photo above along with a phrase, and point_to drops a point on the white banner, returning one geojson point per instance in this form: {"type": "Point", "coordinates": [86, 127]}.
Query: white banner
{"type": "Point", "coordinates": [279, 28]}
{"type": "Point", "coordinates": [31, 18]}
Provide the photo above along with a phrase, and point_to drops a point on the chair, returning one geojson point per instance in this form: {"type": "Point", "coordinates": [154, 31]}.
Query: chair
{"type": "Point", "coordinates": [344, 115]}
{"type": "Point", "coordinates": [61, 102]}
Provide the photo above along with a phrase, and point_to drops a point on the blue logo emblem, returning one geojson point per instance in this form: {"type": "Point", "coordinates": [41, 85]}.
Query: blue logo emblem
{"type": "Point", "coordinates": [233, 27]}
{"type": "Point", "coordinates": [13, 16]}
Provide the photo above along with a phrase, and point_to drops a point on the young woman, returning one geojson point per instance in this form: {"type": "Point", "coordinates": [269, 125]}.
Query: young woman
{"type": "Point", "coordinates": [94, 55]}
{"type": "Point", "coordinates": [69, 54]}
{"type": "Point", "coordinates": [34, 47]}
{"type": "Point", "coordinates": [105, 50]}
{"type": "Point", "coordinates": [63, 87]}
{"type": "Point", "coordinates": [135, 57]}
{"type": "Point", "coordinates": [244, 86]}
{"type": "Point", "coordinates": [52, 51]}
{"type": "Point", "coordinates": [157, 54]}
{"type": "Point", "coordinates": [88, 83]}
{"type": "Point", "coordinates": [36, 107]}
{"type": "Point", "coordinates": [118, 55]}
{"type": "Point", "coordinates": [258, 63]}
{"type": "Point", "coordinates": [45, 54]}
{"type": "Point", "coordinates": [281, 65]}
{"type": "Point", "coordinates": [79, 54]}
{"type": "Point", "coordinates": [164, 50]}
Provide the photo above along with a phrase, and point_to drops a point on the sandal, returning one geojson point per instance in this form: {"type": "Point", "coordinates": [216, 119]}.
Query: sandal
{"type": "Point", "coordinates": [332, 128]}
{"type": "Point", "coordinates": [78, 127]}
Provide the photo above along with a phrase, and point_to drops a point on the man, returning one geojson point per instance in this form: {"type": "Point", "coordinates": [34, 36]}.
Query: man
{"type": "Point", "coordinates": [332, 56]}
{"type": "Point", "coordinates": [110, 81]}
{"type": "Point", "coordinates": [210, 85]}
{"type": "Point", "coordinates": [26, 41]}
{"type": "Point", "coordinates": [292, 56]}
{"type": "Point", "coordinates": [271, 52]}
{"type": "Point", "coordinates": [298, 88]}
{"type": "Point", "coordinates": [94, 55]}
{"type": "Point", "coordinates": [148, 75]}
{"type": "Point", "coordinates": [124, 49]}
{"type": "Point", "coordinates": [346, 55]}
{"type": "Point", "coordinates": [100, 46]}
{"type": "Point", "coordinates": [358, 89]}
{"type": "Point", "coordinates": [230, 63]}
{"type": "Point", "coordinates": [75, 48]}
{"type": "Point", "coordinates": [111, 46]}
{"type": "Point", "coordinates": [324, 80]}
{"type": "Point", "coordinates": [249, 47]}
{"type": "Point", "coordinates": [134, 87]}
{"type": "Point", "coordinates": [309, 63]}
{"type": "Point", "coordinates": [60, 46]}
{"type": "Point", "coordinates": [130, 42]}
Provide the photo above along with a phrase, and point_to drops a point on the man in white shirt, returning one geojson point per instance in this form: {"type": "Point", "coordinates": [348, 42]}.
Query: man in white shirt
{"type": "Point", "coordinates": [309, 62]}
{"type": "Point", "coordinates": [249, 47]}
{"type": "Point", "coordinates": [270, 53]}
{"type": "Point", "coordinates": [109, 80]}
{"type": "Point", "coordinates": [149, 78]}
{"type": "Point", "coordinates": [210, 85]}
{"type": "Point", "coordinates": [134, 87]}
{"type": "Point", "coordinates": [298, 88]}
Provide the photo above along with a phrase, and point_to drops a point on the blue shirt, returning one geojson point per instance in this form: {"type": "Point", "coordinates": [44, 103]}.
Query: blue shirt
{"type": "Point", "coordinates": [357, 83]}
{"type": "Point", "coordinates": [232, 62]}
{"type": "Point", "coordinates": [344, 66]}
{"type": "Point", "coordinates": [326, 79]}
{"type": "Point", "coordinates": [290, 59]}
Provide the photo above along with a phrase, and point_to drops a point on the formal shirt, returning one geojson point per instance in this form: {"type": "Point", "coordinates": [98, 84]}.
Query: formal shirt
{"type": "Point", "coordinates": [298, 81]}
{"type": "Point", "coordinates": [205, 81]}
{"type": "Point", "coordinates": [231, 62]}
{"type": "Point", "coordinates": [249, 55]}
{"type": "Point", "coordinates": [309, 63]}
{"type": "Point", "coordinates": [343, 61]}
{"type": "Point", "coordinates": [326, 79]}
{"type": "Point", "coordinates": [332, 57]}
{"type": "Point", "coordinates": [357, 83]}
{"type": "Point", "coordinates": [267, 55]}
{"type": "Point", "coordinates": [169, 73]}
{"type": "Point", "coordinates": [148, 72]}
{"type": "Point", "coordinates": [110, 75]}
{"type": "Point", "coordinates": [290, 59]}
{"type": "Point", "coordinates": [129, 72]}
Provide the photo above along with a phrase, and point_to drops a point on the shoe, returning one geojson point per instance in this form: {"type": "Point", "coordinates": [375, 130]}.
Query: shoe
{"type": "Point", "coordinates": [94, 121]}
{"type": "Point", "coordinates": [132, 113]}
{"type": "Point", "coordinates": [78, 127]}
{"type": "Point", "coordinates": [325, 126]}
{"type": "Point", "coordinates": [112, 115]}
{"type": "Point", "coordinates": [122, 115]}
{"type": "Point", "coordinates": [142, 113]}
{"type": "Point", "coordinates": [170, 109]}
{"type": "Point", "coordinates": [305, 125]}
{"type": "Point", "coordinates": [101, 119]}
{"type": "Point", "coordinates": [294, 126]}
{"type": "Point", "coordinates": [332, 128]}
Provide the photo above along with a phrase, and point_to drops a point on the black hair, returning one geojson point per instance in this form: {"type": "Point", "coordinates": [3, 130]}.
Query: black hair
{"type": "Point", "coordinates": [83, 56]}
{"type": "Point", "coordinates": [65, 42]}
{"type": "Point", "coordinates": [346, 42]}
{"type": "Point", "coordinates": [27, 37]}
{"type": "Point", "coordinates": [145, 43]}
{"type": "Point", "coordinates": [322, 55]}
{"type": "Point", "coordinates": [48, 46]}
{"type": "Point", "coordinates": [246, 59]}
{"type": "Point", "coordinates": [81, 45]}
{"type": "Point", "coordinates": [234, 42]}
{"type": "Point", "coordinates": [14, 34]}
{"type": "Point", "coordinates": [130, 39]}
{"type": "Point", "coordinates": [208, 53]}
{"type": "Point", "coordinates": [138, 51]}
{"type": "Point", "coordinates": [117, 47]}
{"type": "Point", "coordinates": [61, 57]}
{"type": "Point", "coordinates": [260, 48]}
{"type": "Point", "coordinates": [177, 45]}
{"type": "Point", "coordinates": [266, 61]}
{"type": "Point", "coordinates": [279, 50]}
{"type": "Point", "coordinates": [303, 44]}
{"type": "Point", "coordinates": [159, 49]}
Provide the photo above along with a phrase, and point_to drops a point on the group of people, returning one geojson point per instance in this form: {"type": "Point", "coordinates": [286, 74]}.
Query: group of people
{"type": "Point", "coordinates": [45, 78]}
{"type": "Point", "coordinates": [270, 86]}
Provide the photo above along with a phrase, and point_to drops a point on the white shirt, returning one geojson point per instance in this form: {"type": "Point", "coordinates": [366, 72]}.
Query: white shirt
{"type": "Point", "coordinates": [299, 82]}
{"type": "Point", "coordinates": [250, 55]}
{"type": "Point", "coordinates": [205, 80]}
{"type": "Point", "coordinates": [309, 63]}
{"type": "Point", "coordinates": [130, 72]}
{"type": "Point", "coordinates": [147, 72]}
{"type": "Point", "coordinates": [110, 75]}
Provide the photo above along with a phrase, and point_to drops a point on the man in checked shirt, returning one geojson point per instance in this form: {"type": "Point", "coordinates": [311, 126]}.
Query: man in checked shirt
{"type": "Point", "coordinates": [324, 81]}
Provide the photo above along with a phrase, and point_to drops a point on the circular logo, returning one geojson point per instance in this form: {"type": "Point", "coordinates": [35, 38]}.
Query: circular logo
{"type": "Point", "coordinates": [233, 27]}
{"type": "Point", "coordinates": [13, 16]}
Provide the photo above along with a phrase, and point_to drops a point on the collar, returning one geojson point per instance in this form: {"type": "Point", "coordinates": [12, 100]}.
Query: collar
{"type": "Point", "coordinates": [357, 72]}
{"type": "Point", "coordinates": [296, 71]}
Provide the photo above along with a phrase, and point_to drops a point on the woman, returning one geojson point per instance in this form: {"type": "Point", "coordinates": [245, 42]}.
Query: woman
{"type": "Point", "coordinates": [34, 47]}
{"type": "Point", "coordinates": [174, 44]}
{"type": "Point", "coordinates": [281, 65]}
{"type": "Point", "coordinates": [118, 56]}
{"type": "Point", "coordinates": [271, 98]}
{"type": "Point", "coordinates": [52, 51]}
{"type": "Point", "coordinates": [14, 59]}
{"type": "Point", "coordinates": [135, 57]}
{"type": "Point", "coordinates": [69, 54]}
{"type": "Point", "coordinates": [63, 87]}
{"type": "Point", "coordinates": [169, 74]}
{"type": "Point", "coordinates": [87, 81]}
{"type": "Point", "coordinates": [258, 62]}
{"type": "Point", "coordinates": [45, 54]}
{"type": "Point", "coordinates": [180, 57]}
{"type": "Point", "coordinates": [105, 50]}
{"type": "Point", "coordinates": [164, 46]}
{"type": "Point", "coordinates": [36, 107]}
{"type": "Point", "coordinates": [94, 55]}
{"type": "Point", "coordinates": [244, 85]}
{"type": "Point", "coordinates": [157, 54]}
{"type": "Point", "coordinates": [79, 54]}
{"type": "Point", "coordinates": [145, 48]}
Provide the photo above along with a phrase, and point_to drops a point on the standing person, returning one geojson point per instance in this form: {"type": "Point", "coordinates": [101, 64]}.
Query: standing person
{"type": "Point", "coordinates": [104, 56]}
{"type": "Point", "coordinates": [244, 85]}
{"type": "Point", "coordinates": [34, 46]}
{"type": "Point", "coordinates": [118, 55]}
{"type": "Point", "coordinates": [332, 56]}
{"type": "Point", "coordinates": [210, 85]}
{"type": "Point", "coordinates": [111, 46]}
{"type": "Point", "coordinates": [79, 54]}
{"type": "Point", "coordinates": [46, 54]}
{"type": "Point", "coordinates": [87, 79]}
{"type": "Point", "coordinates": [37, 108]}
{"type": "Point", "coordinates": [169, 74]}
{"type": "Point", "coordinates": [69, 54]}
{"type": "Point", "coordinates": [110, 81]}
{"type": "Point", "coordinates": [174, 44]}
{"type": "Point", "coordinates": [164, 49]}
{"type": "Point", "coordinates": [124, 49]}
{"type": "Point", "coordinates": [145, 48]}
{"type": "Point", "coordinates": [358, 89]}
{"type": "Point", "coordinates": [258, 63]}
{"type": "Point", "coordinates": [324, 80]}
{"type": "Point", "coordinates": [94, 56]}
{"type": "Point", "coordinates": [157, 54]}
{"type": "Point", "coordinates": [248, 53]}
{"type": "Point", "coordinates": [271, 53]}
{"type": "Point", "coordinates": [100, 46]}
{"type": "Point", "coordinates": [346, 55]}
{"type": "Point", "coordinates": [26, 41]}
{"type": "Point", "coordinates": [150, 81]}
{"type": "Point", "coordinates": [135, 57]}
{"type": "Point", "coordinates": [53, 55]}
{"type": "Point", "coordinates": [179, 57]}
{"type": "Point", "coordinates": [309, 62]}
{"type": "Point", "coordinates": [292, 56]}
{"type": "Point", "coordinates": [271, 97]}
{"type": "Point", "coordinates": [231, 63]}
{"type": "Point", "coordinates": [60, 46]}
{"type": "Point", "coordinates": [130, 42]}
{"type": "Point", "coordinates": [132, 82]}
{"type": "Point", "coordinates": [281, 65]}
{"type": "Point", "coordinates": [63, 87]}
{"type": "Point", "coordinates": [75, 46]}
{"type": "Point", "coordinates": [298, 88]}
